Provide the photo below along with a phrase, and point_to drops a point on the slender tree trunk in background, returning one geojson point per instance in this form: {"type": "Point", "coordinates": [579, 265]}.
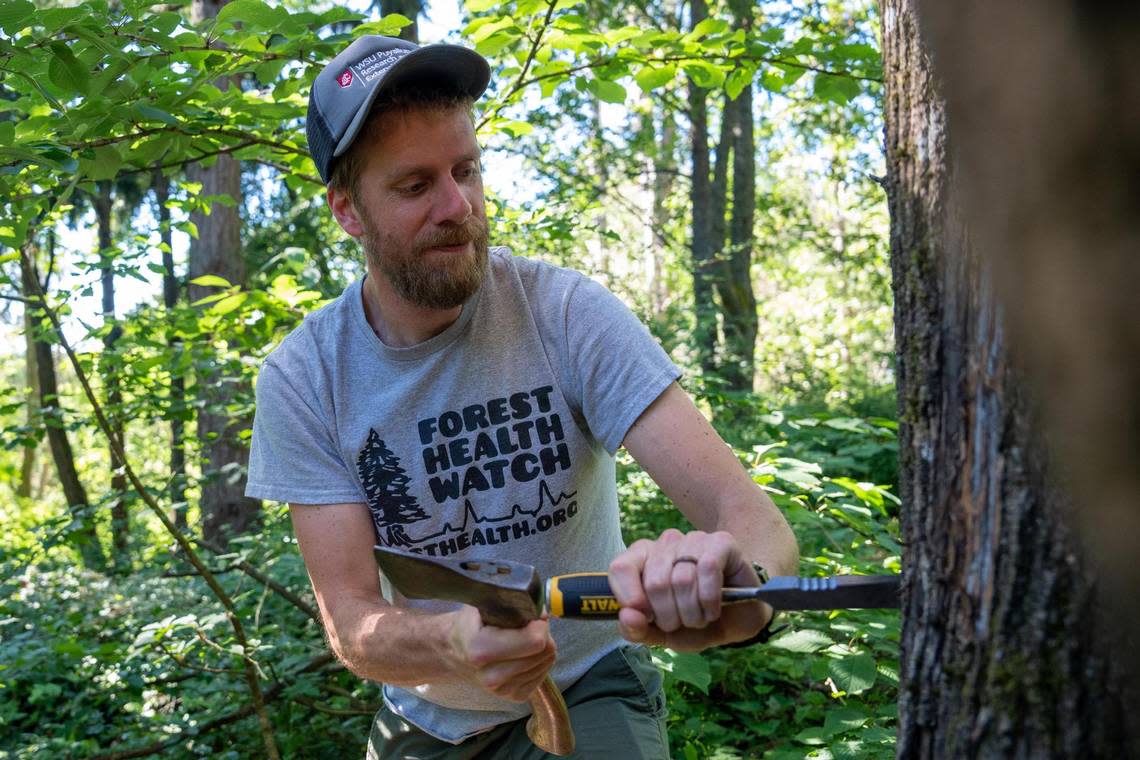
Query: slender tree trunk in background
{"type": "Point", "coordinates": [217, 250]}
{"type": "Point", "coordinates": [32, 405]}
{"type": "Point", "coordinates": [1002, 653]}
{"type": "Point", "coordinates": [1044, 103]}
{"type": "Point", "coordinates": [120, 523]}
{"type": "Point", "coordinates": [161, 185]}
{"type": "Point", "coordinates": [90, 550]}
{"type": "Point", "coordinates": [664, 178]}
{"type": "Point", "coordinates": [738, 300]}
{"type": "Point", "coordinates": [409, 9]}
{"type": "Point", "coordinates": [700, 198]}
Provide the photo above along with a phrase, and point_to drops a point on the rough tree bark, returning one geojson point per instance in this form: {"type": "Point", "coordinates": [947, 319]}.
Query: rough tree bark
{"type": "Point", "coordinates": [1002, 655]}
{"type": "Point", "coordinates": [1044, 99]}
{"type": "Point", "coordinates": [90, 550]}
{"type": "Point", "coordinates": [103, 203]}
{"type": "Point", "coordinates": [217, 250]}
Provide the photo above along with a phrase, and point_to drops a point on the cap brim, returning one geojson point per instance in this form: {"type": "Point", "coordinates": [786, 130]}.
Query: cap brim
{"type": "Point", "coordinates": [447, 68]}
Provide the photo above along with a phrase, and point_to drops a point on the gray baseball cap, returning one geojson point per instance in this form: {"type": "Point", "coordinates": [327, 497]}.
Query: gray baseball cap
{"type": "Point", "coordinates": [345, 90]}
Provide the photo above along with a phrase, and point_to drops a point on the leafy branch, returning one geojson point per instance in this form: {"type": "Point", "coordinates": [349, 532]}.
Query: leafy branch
{"type": "Point", "coordinates": [248, 667]}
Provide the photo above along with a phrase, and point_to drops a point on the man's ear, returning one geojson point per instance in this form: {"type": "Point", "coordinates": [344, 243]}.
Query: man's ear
{"type": "Point", "coordinates": [344, 211]}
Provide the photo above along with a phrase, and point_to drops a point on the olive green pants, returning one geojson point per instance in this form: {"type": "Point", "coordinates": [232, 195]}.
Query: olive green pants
{"type": "Point", "coordinates": [617, 710]}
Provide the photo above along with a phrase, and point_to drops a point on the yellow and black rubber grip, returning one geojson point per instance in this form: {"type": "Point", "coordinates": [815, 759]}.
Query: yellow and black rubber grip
{"type": "Point", "coordinates": [585, 596]}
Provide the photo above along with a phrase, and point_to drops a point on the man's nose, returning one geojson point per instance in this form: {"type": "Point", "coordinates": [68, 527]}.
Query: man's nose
{"type": "Point", "coordinates": [451, 203]}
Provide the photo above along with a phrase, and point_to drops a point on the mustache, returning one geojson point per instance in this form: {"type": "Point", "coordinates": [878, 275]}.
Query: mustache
{"type": "Point", "coordinates": [454, 234]}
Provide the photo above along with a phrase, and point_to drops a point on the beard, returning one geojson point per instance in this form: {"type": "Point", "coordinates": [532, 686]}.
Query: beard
{"type": "Point", "coordinates": [419, 280]}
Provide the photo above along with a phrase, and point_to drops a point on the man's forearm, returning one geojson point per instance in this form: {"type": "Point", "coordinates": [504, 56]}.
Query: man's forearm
{"type": "Point", "coordinates": [763, 535]}
{"type": "Point", "coordinates": [394, 645]}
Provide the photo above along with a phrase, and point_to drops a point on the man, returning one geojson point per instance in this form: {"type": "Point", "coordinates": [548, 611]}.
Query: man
{"type": "Point", "coordinates": [461, 401]}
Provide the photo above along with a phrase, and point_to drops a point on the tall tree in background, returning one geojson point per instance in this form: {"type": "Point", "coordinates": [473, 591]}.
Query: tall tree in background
{"type": "Point", "coordinates": [409, 9]}
{"type": "Point", "coordinates": [90, 550]}
{"type": "Point", "coordinates": [1002, 651]}
{"type": "Point", "coordinates": [217, 251]}
{"type": "Point", "coordinates": [734, 283]}
{"type": "Point", "coordinates": [724, 302]}
{"type": "Point", "coordinates": [170, 294]}
{"type": "Point", "coordinates": [701, 202]}
{"type": "Point", "coordinates": [32, 404]}
{"type": "Point", "coordinates": [103, 202]}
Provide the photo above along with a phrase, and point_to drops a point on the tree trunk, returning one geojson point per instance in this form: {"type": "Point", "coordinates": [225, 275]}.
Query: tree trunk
{"type": "Point", "coordinates": [1002, 653]}
{"type": "Point", "coordinates": [32, 405]}
{"type": "Point", "coordinates": [217, 250]}
{"type": "Point", "coordinates": [664, 177]}
{"type": "Point", "coordinates": [113, 402]}
{"type": "Point", "coordinates": [408, 8]}
{"type": "Point", "coordinates": [170, 289]}
{"type": "Point", "coordinates": [737, 298]}
{"type": "Point", "coordinates": [84, 536]}
{"type": "Point", "coordinates": [1055, 211]}
{"type": "Point", "coordinates": [700, 197]}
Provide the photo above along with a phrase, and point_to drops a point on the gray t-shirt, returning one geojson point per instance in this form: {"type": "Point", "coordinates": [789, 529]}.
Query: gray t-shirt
{"type": "Point", "coordinates": [493, 439]}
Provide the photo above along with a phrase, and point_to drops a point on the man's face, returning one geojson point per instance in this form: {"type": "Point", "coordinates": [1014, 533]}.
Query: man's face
{"type": "Point", "coordinates": [420, 207]}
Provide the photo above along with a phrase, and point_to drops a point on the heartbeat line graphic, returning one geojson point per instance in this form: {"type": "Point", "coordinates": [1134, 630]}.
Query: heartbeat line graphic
{"type": "Point", "coordinates": [545, 498]}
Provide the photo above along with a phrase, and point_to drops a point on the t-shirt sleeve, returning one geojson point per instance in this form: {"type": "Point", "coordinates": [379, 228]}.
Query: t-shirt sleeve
{"type": "Point", "coordinates": [293, 456]}
{"type": "Point", "coordinates": [617, 368]}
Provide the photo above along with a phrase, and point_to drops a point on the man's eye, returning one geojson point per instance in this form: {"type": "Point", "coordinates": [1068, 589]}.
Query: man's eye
{"type": "Point", "coordinates": [412, 189]}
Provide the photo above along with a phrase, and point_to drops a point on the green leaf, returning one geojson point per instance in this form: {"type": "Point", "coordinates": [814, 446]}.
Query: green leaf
{"type": "Point", "coordinates": [811, 736]}
{"type": "Point", "coordinates": [737, 81]}
{"type": "Point", "coordinates": [706, 27]}
{"type": "Point", "coordinates": [853, 673]}
{"type": "Point", "coordinates": [268, 71]}
{"type": "Point", "coordinates": [804, 641]}
{"type": "Point", "coordinates": [843, 719]}
{"type": "Point", "coordinates": [610, 92]}
{"type": "Point", "coordinates": [689, 667]}
{"type": "Point", "coordinates": [14, 14]}
{"type": "Point", "coordinates": [210, 280]}
{"type": "Point", "coordinates": [254, 12]}
{"type": "Point", "coordinates": [65, 71]}
{"type": "Point", "coordinates": [650, 78]}
{"type": "Point", "coordinates": [497, 41]}
{"type": "Point", "coordinates": [154, 114]}
{"type": "Point", "coordinates": [389, 26]}
{"type": "Point", "coordinates": [228, 304]}
{"type": "Point", "coordinates": [704, 74]}
{"type": "Point", "coordinates": [104, 163]}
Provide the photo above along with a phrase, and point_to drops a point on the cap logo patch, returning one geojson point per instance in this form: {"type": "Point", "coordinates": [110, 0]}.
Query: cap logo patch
{"type": "Point", "coordinates": [345, 79]}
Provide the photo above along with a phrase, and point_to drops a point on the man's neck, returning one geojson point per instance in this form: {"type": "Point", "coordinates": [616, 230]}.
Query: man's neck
{"type": "Point", "coordinates": [397, 322]}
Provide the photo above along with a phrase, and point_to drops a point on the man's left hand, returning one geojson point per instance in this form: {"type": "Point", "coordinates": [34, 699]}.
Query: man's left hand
{"type": "Point", "coordinates": [669, 591]}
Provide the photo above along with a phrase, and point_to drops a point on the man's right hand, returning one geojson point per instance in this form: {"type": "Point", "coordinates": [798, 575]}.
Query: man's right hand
{"type": "Point", "coordinates": [507, 662]}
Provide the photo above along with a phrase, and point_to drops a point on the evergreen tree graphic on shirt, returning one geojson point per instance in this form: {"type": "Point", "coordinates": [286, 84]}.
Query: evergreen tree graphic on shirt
{"type": "Point", "coordinates": [386, 486]}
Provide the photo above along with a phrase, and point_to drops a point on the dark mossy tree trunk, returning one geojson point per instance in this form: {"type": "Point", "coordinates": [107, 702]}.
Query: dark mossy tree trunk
{"type": "Point", "coordinates": [1003, 654]}
{"type": "Point", "coordinates": [1044, 99]}
{"type": "Point", "coordinates": [103, 202]}
{"type": "Point", "coordinates": [217, 251]}
{"type": "Point", "coordinates": [83, 530]}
